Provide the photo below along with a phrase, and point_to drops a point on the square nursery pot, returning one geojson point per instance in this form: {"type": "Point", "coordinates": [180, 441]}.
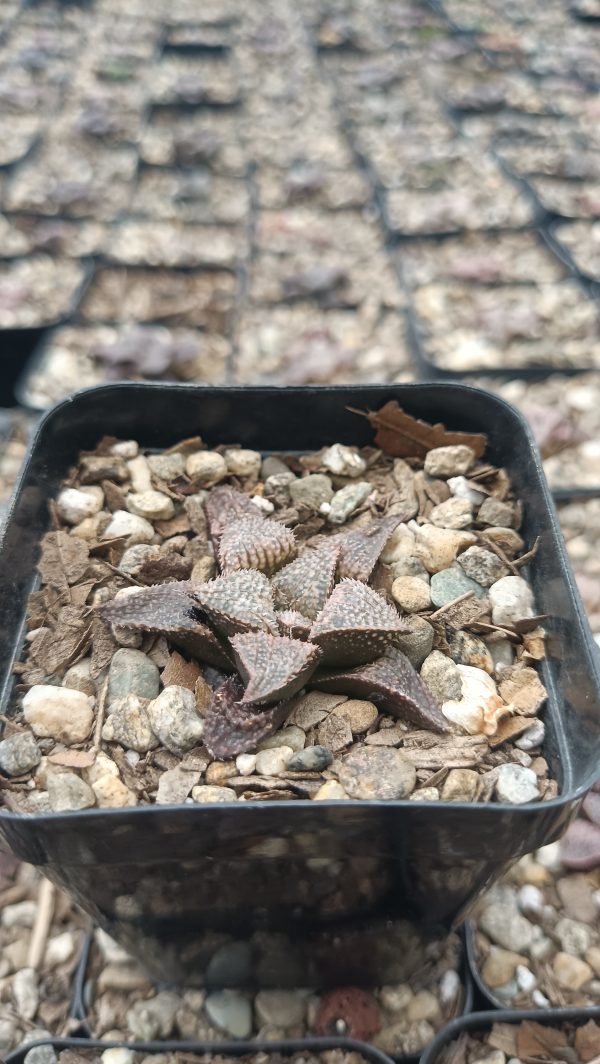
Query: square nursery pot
{"type": "Point", "coordinates": [172, 882]}
{"type": "Point", "coordinates": [270, 1052]}
{"type": "Point", "coordinates": [481, 1022]}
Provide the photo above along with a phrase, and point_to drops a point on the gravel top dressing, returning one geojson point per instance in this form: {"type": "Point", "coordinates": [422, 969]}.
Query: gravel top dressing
{"type": "Point", "coordinates": [118, 1055]}
{"type": "Point", "coordinates": [217, 625]}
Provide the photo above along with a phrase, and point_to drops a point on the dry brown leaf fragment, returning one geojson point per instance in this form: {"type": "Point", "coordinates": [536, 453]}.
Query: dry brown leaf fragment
{"type": "Point", "coordinates": [404, 436]}
{"type": "Point", "coordinates": [168, 567]}
{"type": "Point", "coordinates": [587, 1041]}
{"type": "Point", "coordinates": [509, 728]}
{"type": "Point", "coordinates": [64, 560]}
{"type": "Point", "coordinates": [224, 505]}
{"type": "Point", "coordinates": [54, 650]}
{"type": "Point", "coordinates": [504, 1036]}
{"type": "Point", "coordinates": [539, 1041]}
{"type": "Point", "coordinates": [180, 672]}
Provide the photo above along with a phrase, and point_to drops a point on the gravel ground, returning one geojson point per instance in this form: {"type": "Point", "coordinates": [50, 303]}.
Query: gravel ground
{"type": "Point", "coordinates": [359, 181]}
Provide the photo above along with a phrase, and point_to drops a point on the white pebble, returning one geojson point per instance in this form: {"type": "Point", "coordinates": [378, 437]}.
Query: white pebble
{"type": "Point", "coordinates": [124, 524]}
{"type": "Point", "coordinates": [540, 1000]}
{"type": "Point", "coordinates": [449, 988]}
{"type": "Point", "coordinates": [531, 898]}
{"type": "Point", "coordinates": [461, 489]}
{"type": "Point", "coordinates": [274, 761]}
{"type": "Point", "coordinates": [25, 992]}
{"type": "Point", "coordinates": [344, 461]}
{"type": "Point", "coordinates": [75, 504]}
{"type": "Point", "coordinates": [206, 467]}
{"type": "Point", "coordinates": [526, 980]}
{"type": "Point", "coordinates": [60, 713]}
{"type": "Point", "coordinates": [533, 737]}
{"type": "Point", "coordinates": [263, 504]}
{"type": "Point", "coordinates": [125, 449]}
{"type": "Point", "coordinates": [243, 463]}
{"type": "Point", "coordinates": [245, 764]}
{"type": "Point", "coordinates": [139, 471]}
{"type": "Point", "coordinates": [512, 600]}
{"type": "Point", "coordinates": [153, 505]}
{"type": "Point", "coordinates": [59, 949]}
{"type": "Point", "coordinates": [118, 1055]}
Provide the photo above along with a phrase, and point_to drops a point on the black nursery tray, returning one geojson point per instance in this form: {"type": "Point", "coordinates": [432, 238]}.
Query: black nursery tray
{"type": "Point", "coordinates": [274, 1050]}
{"type": "Point", "coordinates": [478, 1022]}
{"type": "Point", "coordinates": [159, 879]}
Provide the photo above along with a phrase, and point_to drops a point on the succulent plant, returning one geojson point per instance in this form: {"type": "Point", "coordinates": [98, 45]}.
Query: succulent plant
{"type": "Point", "coordinates": [280, 622]}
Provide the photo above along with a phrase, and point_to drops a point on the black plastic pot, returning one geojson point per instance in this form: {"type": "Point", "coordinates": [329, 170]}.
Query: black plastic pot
{"type": "Point", "coordinates": [479, 1021]}
{"type": "Point", "coordinates": [81, 1007]}
{"type": "Point", "coordinates": [233, 1049]}
{"type": "Point", "coordinates": [163, 880]}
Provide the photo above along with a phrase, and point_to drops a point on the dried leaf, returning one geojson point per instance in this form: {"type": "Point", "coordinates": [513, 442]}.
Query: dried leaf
{"type": "Point", "coordinates": [587, 1041]}
{"type": "Point", "coordinates": [355, 625]}
{"type": "Point", "coordinates": [273, 666]}
{"type": "Point", "coordinates": [404, 436]}
{"type": "Point", "coordinates": [360, 548]}
{"type": "Point", "coordinates": [509, 728]}
{"type": "Point", "coordinates": [64, 559]}
{"type": "Point", "coordinates": [73, 758]}
{"type": "Point", "coordinates": [255, 543]}
{"type": "Point", "coordinates": [232, 728]}
{"type": "Point", "coordinates": [538, 1040]}
{"type": "Point", "coordinates": [168, 567]}
{"type": "Point", "coordinates": [55, 650]}
{"type": "Point", "coordinates": [104, 646]}
{"type": "Point", "coordinates": [304, 585]}
{"type": "Point", "coordinates": [504, 1036]}
{"type": "Point", "coordinates": [180, 672]}
{"type": "Point", "coordinates": [393, 685]}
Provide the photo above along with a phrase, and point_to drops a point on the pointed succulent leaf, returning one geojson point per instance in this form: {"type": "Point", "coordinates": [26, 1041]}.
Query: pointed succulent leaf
{"type": "Point", "coordinates": [171, 610]}
{"type": "Point", "coordinates": [392, 684]}
{"type": "Point", "coordinates": [306, 583]}
{"type": "Point", "coordinates": [273, 666]}
{"type": "Point", "coordinates": [355, 625]}
{"type": "Point", "coordinates": [255, 543]}
{"type": "Point", "coordinates": [238, 602]}
{"type": "Point", "coordinates": [224, 505]}
{"type": "Point", "coordinates": [293, 624]}
{"type": "Point", "coordinates": [360, 548]}
{"type": "Point", "coordinates": [231, 727]}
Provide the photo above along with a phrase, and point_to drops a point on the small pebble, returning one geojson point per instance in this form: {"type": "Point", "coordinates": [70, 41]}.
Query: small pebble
{"type": "Point", "coordinates": [139, 471]}
{"type": "Point", "coordinates": [129, 526]}
{"type": "Point", "coordinates": [376, 773]}
{"type": "Point", "coordinates": [506, 926]}
{"type": "Point", "coordinates": [174, 719]}
{"type": "Point", "coordinates": [26, 992]}
{"type": "Point", "coordinates": [411, 593]}
{"type": "Point", "coordinates": [482, 565]}
{"type": "Point", "coordinates": [358, 714]}
{"type": "Point", "coordinates": [245, 764]}
{"type": "Point", "coordinates": [438, 548]}
{"type": "Point", "coordinates": [175, 785]}
{"type": "Point", "coordinates": [533, 737]}
{"type": "Point", "coordinates": [152, 505]}
{"type": "Point", "coordinates": [330, 790]}
{"type": "Point", "coordinates": [347, 500]}
{"type": "Point", "coordinates": [206, 468]}
{"type": "Point", "coordinates": [571, 972]}
{"type": "Point", "coordinates": [453, 513]}
{"type": "Point", "coordinates": [75, 504]}
{"type": "Point", "coordinates": [494, 512]}
{"type": "Point", "coordinates": [526, 980]}
{"type": "Point", "coordinates": [343, 461]}
{"type": "Point", "coordinates": [132, 673]}
{"type": "Point", "coordinates": [449, 584]}
{"type": "Point", "coordinates": [231, 1012]}
{"type": "Point", "coordinates": [311, 491]}
{"type": "Point", "coordinates": [516, 784]}
{"type": "Point", "coordinates": [282, 1008]}
{"type": "Point", "coordinates": [274, 761]}
{"type": "Point", "coordinates": [291, 735]}
{"type": "Point", "coordinates": [449, 461]}
{"type": "Point", "coordinates": [243, 463]}
{"type": "Point", "coordinates": [461, 785]}
{"type": "Point", "coordinates": [167, 466]}
{"type": "Point", "coordinates": [417, 642]}
{"type": "Point", "coordinates": [19, 753]}
{"type": "Point", "coordinates": [460, 487]}
{"type": "Point", "coordinates": [512, 600]}
{"type": "Point", "coordinates": [208, 793]}
{"type": "Point", "coordinates": [125, 448]}
{"type": "Point", "coordinates": [129, 725]}
{"type": "Point", "coordinates": [154, 1017]}
{"type": "Point", "coordinates": [67, 791]}
{"type": "Point", "coordinates": [118, 1055]}
{"type": "Point", "coordinates": [441, 676]}
{"type": "Point", "coordinates": [58, 713]}
{"type": "Point", "coordinates": [311, 759]}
